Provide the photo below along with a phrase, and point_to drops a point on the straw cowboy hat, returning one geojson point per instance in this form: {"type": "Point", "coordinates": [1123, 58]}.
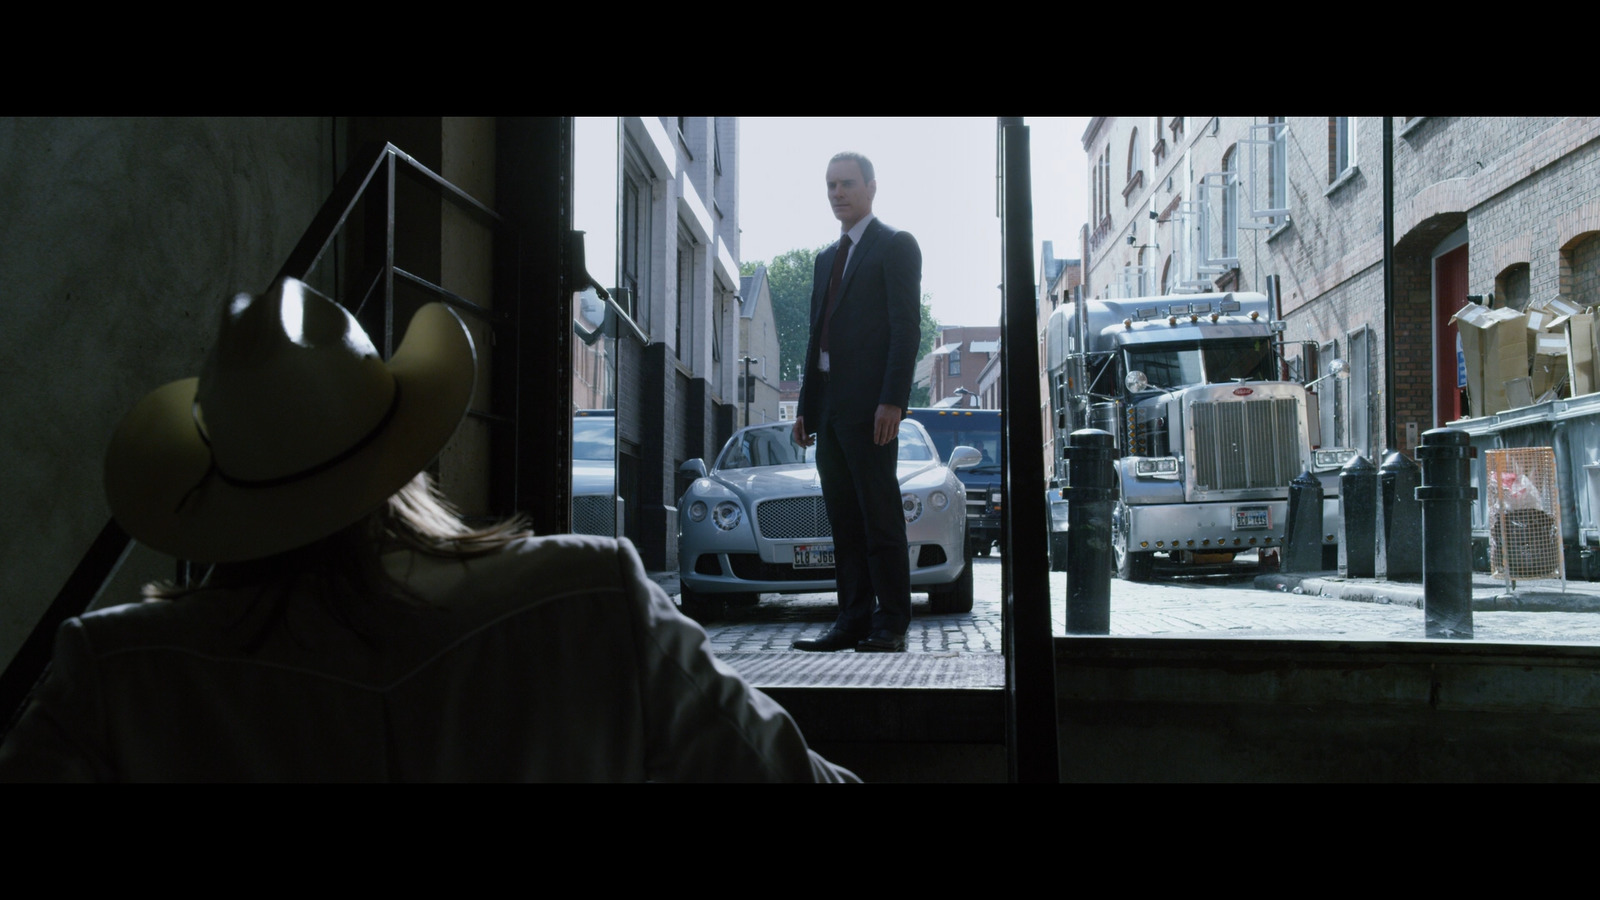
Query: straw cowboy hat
{"type": "Point", "coordinates": [294, 429]}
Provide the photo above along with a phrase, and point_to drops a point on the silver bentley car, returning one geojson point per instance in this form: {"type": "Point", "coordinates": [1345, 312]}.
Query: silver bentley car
{"type": "Point", "coordinates": [755, 523]}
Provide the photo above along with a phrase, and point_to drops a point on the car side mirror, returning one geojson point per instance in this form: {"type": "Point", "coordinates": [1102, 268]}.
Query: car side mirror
{"type": "Point", "coordinates": [694, 468]}
{"type": "Point", "coordinates": [965, 457]}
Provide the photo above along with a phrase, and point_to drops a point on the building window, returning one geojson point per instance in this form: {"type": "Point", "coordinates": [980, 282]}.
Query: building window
{"type": "Point", "coordinates": [1230, 204]}
{"type": "Point", "coordinates": [1278, 168]}
{"type": "Point", "coordinates": [685, 317]}
{"type": "Point", "coordinates": [1511, 287]}
{"type": "Point", "coordinates": [1105, 176]}
{"type": "Point", "coordinates": [1341, 146]}
{"type": "Point", "coordinates": [1133, 155]}
{"type": "Point", "coordinates": [955, 363]}
{"type": "Point", "coordinates": [634, 258]}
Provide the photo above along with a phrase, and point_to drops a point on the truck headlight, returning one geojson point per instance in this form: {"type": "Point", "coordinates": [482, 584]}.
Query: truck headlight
{"type": "Point", "coordinates": [1334, 458]}
{"type": "Point", "coordinates": [911, 504]}
{"type": "Point", "coordinates": [1156, 467]}
{"type": "Point", "coordinates": [727, 515]}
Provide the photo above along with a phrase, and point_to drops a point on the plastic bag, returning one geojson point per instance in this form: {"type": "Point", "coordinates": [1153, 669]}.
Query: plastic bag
{"type": "Point", "coordinates": [1517, 492]}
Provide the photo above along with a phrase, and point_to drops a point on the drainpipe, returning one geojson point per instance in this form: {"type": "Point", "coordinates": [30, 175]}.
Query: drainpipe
{"type": "Point", "coordinates": [1392, 438]}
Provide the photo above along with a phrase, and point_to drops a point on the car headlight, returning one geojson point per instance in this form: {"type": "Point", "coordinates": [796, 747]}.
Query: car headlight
{"type": "Point", "coordinates": [939, 499]}
{"type": "Point", "coordinates": [1156, 467]}
{"type": "Point", "coordinates": [697, 511]}
{"type": "Point", "coordinates": [912, 505]}
{"type": "Point", "coordinates": [727, 515]}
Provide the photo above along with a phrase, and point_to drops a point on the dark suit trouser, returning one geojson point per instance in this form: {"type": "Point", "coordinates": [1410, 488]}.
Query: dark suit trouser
{"type": "Point", "coordinates": [862, 491]}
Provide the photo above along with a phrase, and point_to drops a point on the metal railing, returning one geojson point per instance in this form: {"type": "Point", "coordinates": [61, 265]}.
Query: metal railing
{"type": "Point", "coordinates": [365, 194]}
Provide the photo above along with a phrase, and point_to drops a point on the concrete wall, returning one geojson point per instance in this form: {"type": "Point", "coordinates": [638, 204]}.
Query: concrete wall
{"type": "Point", "coordinates": [1153, 709]}
{"type": "Point", "coordinates": [121, 240]}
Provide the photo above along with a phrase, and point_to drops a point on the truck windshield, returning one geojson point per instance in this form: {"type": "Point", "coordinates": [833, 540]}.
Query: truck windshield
{"type": "Point", "coordinates": [951, 429]}
{"type": "Point", "coordinates": [1169, 366]}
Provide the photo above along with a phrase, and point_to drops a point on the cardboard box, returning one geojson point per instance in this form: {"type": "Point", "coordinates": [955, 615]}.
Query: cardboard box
{"type": "Point", "coordinates": [1539, 321]}
{"type": "Point", "coordinates": [1550, 367]}
{"type": "Point", "coordinates": [1495, 346]}
{"type": "Point", "coordinates": [1562, 307]}
{"type": "Point", "coordinates": [1580, 351]}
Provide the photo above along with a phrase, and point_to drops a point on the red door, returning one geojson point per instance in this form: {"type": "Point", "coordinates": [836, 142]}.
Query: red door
{"type": "Point", "coordinates": [1450, 294]}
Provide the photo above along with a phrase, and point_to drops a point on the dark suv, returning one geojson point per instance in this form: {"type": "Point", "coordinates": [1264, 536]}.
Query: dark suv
{"type": "Point", "coordinates": [980, 429]}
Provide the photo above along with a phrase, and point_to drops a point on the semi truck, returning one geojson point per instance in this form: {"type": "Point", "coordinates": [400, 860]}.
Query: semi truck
{"type": "Point", "coordinates": [1209, 432]}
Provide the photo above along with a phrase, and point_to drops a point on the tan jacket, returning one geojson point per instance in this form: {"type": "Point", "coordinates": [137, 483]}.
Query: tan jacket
{"type": "Point", "coordinates": [555, 660]}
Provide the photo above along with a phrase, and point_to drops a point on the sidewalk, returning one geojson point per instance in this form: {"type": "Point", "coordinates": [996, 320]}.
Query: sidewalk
{"type": "Point", "coordinates": [1488, 594]}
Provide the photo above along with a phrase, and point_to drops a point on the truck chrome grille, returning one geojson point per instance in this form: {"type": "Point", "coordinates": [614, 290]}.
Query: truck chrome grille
{"type": "Point", "coordinates": [791, 518]}
{"type": "Point", "coordinates": [1240, 445]}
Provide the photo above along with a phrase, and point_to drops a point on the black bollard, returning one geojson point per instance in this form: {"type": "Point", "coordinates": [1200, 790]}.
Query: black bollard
{"type": "Point", "coordinates": [1358, 518]}
{"type": "Point", "coordinates": [1398, 478]}
{"type": "Point", "coordinates": [1302, 534]}
{"type": "Point", "coordinates": [1446, 497]}
{"type": "Point", "coordinates": [1092, 486]}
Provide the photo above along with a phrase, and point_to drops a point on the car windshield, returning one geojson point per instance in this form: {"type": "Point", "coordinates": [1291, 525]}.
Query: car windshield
{"type": "Point", "coordinates": [1179, 365]}
{"type": "Point", "coordinates": [773, 446]}
{"type": "Point", "coordinates": [594, 438]}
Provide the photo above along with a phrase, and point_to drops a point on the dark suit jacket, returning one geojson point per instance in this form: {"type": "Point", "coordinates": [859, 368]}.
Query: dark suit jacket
{"type": "Point", "coordinates": [876, 328]}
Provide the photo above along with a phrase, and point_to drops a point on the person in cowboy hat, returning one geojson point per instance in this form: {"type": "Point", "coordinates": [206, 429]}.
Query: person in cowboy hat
{"type": "Point", "coordinates": [353, 628]}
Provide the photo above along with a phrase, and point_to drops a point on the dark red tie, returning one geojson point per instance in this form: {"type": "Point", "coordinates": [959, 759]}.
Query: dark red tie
{"type": "Point", "coordinates": [833, 290]}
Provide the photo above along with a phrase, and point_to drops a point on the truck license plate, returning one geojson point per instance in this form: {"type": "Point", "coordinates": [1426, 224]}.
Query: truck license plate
{"type": "Point", "coordinates": [1246, 517]}
{"type": "Point", "coordinates": [813, 556]}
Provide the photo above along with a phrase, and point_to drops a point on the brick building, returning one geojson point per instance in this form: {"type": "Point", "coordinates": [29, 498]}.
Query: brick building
{"type": "Point", "coordinates": [957, 361]}
{"type": "Point", "coordinates": [1482, 205]}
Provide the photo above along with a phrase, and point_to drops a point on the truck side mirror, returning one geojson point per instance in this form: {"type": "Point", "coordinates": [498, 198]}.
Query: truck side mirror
{"type": "Point", "coordinates": [964, 457]}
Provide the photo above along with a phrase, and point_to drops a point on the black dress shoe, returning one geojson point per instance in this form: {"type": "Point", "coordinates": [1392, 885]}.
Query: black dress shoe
{"type": "Point", "coordinates": [882, 642]}
{"type": "Point", "coordinates": [833, 640]}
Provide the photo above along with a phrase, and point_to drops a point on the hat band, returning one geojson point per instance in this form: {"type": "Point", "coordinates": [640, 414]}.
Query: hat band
{"type": "Point", "coordinates": [352, 450]}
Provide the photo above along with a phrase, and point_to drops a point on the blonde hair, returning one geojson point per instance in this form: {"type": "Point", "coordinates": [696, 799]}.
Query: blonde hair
{"type": "Point", "coordinates": [347, 564]}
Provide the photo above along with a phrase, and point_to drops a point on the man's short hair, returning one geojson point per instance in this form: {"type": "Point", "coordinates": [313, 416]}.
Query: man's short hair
{"type": "Point", "coordinates": [866, 164]}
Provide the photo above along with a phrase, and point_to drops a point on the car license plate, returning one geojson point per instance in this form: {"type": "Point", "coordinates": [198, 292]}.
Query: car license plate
{"type": "Point", "coordinates": [1248, 517]}
{"type": "Point", "coordinates": [813, 556]}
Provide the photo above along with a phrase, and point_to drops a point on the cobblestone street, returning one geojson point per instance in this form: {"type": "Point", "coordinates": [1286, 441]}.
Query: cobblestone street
{"type": "Point", "coordinates": [1214, 607]}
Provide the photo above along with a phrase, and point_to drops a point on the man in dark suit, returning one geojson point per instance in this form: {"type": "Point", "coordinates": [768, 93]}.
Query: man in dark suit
{"type": "Point", "coordinates": [866, 315]}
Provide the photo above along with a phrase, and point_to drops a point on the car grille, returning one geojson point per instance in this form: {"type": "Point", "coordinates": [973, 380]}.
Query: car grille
{"type": "Point", "coordinates": [793, 518]}
{"type": "Point", "coordinates": [751, 567]}
{"type": "Point", "coordinates": [1247, 444]}
{"type": "Point", "coordinates": [594, 515]}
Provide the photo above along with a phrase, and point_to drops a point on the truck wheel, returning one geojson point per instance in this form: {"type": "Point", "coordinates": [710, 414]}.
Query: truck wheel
{"type": "Point", "coordinates": [955, 597]}
{"type": "Point", "coordinates": [1130, 565]}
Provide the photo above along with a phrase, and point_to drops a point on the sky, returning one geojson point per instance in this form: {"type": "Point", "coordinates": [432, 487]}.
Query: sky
{"type": "Point", "coordinates": [936, 179]}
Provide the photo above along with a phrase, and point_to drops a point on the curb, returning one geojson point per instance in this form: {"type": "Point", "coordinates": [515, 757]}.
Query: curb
{"type": "Point", "coordinates": [1488, 595]}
